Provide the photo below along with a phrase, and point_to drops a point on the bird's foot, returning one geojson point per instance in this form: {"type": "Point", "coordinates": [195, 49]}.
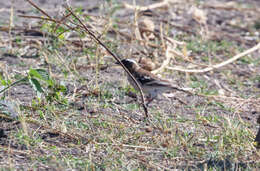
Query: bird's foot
{"type": "Point", "coordinates": [148, 100]}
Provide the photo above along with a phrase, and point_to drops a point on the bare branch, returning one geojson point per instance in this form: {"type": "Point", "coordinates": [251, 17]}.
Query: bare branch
{"type": "Point", "coordinates": [82, 25]}
{"type": "Point", "coordinates": [210, 68]}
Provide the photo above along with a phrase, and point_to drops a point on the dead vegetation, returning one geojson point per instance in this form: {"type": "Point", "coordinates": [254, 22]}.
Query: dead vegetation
{"type": "Point", "coordinates": [65, 105]}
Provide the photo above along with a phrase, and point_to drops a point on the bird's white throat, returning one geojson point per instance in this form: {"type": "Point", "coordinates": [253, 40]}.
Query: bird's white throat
{"type": "Point", "coordinates": [131, 60]}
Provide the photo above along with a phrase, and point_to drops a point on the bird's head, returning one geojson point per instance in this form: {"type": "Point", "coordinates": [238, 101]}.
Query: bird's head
{"type": "Point", "coordinates": [130, 64]}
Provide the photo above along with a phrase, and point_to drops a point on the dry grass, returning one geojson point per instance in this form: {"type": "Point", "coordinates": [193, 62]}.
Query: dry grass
{"type": "Point", "coordinates": [86, 119]}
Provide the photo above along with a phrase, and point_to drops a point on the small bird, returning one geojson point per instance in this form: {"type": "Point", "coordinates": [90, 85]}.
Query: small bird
{"type": "Point", "coordinates": [150, 83]}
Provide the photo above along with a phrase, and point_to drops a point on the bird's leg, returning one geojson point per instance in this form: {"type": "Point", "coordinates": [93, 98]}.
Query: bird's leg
{"type": "Point", "coordinates": [152, 95]}
{"type": "Point", "coordinates": [149, 99]}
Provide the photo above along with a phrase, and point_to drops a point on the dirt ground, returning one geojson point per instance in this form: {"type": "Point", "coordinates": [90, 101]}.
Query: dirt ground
{"type": "Point", "coordinates": [101, 127]}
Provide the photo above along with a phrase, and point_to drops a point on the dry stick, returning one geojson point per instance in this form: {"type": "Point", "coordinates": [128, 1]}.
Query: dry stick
{"type": "Point", "coordinates": [103, 45]}
{"type": "Point", "coordinates": [175, 68]}
{"type": "Point", "coordinates": [53, 20]}
{"type": "Point", "coordinates": [35, 6]}
{"type": "Point", "coordinates": [61, 21]}
{"type": "Point", "coordinates": [116, 58]}
{"type": "Point", "coordinates": [210, 68]}
{"type": "Point", "coordinates": [165, 62]}
{"type": "Point", "coordinates": [50, 18]}
{"type": "Point", "coordinates": [202, 70]}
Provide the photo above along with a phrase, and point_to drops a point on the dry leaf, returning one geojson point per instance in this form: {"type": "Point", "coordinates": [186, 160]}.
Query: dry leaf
{"type": "Point", "coordinates": [147, 64]}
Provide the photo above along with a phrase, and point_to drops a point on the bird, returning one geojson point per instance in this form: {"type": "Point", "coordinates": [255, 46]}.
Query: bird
{"type": "Point", "coordinates": [151, 85]}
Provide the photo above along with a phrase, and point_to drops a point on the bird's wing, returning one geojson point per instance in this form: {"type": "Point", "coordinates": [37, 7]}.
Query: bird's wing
{"type": "Point", "coordinates": [158, 83]}
{"type": "Point", "coordinates": [148, 79]}
{"type": "Point", "coordinates": [144, 77]}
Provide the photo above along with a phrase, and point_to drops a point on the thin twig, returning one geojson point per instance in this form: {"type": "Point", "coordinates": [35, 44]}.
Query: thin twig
{"type": "Point", "coordinates": [165, 62]}
{"type": "Point", "coordinates": [96, 39]}
{"type": "Point", "coordinates": [116, 58]}
{"type": "Point", "coordinates": [61, 21]}
{"type": "Point", "coordinates": [35, 6]}
{"type": "Point", "coordinates": [210, 68]}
